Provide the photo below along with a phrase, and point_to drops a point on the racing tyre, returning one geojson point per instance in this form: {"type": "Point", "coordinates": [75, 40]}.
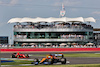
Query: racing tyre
{"type": "Point", "coordinates": [63, 60]}
{"type": "Point", "coordinates": [50, 61]}
{"type": "Point", "coordinates": [32, 63]}
{"type": "Point", "coordinates": [13, 56]}
{"type": "Point", "coordinates": [27, 55]}
{"type": "Point", "coordinates": [36, 61]}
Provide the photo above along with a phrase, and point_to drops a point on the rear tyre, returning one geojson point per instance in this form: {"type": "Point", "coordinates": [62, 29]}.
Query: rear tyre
{"type": "Point", "coordinates": [13, 56]}
{"type": "Point", "coordinates": [63, 60]}
{"type": "Point", "coordinates": [32, 62]}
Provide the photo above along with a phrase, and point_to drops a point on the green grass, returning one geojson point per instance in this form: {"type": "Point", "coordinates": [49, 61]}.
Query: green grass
{"type": "Point", "coordinates": [77, 65]}
{"type": "Point", "coordinates": [17, 62]}
{"type": "Point", "coordinates": [82, 55]}
{"type": "Point", "coordinates": [74, 55]}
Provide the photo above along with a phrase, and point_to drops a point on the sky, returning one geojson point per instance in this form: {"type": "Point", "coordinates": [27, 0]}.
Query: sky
{"type": "Point", "coordinates": [46, 8]}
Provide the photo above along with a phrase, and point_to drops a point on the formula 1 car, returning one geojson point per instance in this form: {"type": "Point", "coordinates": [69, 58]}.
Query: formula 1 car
{"type": "Point", "coordinates": [19, 55]}
{"type": "Point", "coordinates": [50, 59]}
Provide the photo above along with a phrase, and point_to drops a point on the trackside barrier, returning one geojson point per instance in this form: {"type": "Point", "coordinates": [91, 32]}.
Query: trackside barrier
{"type": "Point", "coordinates": [49, 49]}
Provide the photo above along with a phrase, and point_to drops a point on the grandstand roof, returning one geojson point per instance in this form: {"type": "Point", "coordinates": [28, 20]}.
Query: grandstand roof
{"type": "Point", "coordinates": [51, 19]}
{"type": "Point", "coordinates": [96, 29]}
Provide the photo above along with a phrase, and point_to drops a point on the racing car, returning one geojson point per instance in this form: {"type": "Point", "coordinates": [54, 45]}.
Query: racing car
{"type": "Point", "coordinates": [19, 55]}
{"type": "Point", "coordinates": [50, 59]}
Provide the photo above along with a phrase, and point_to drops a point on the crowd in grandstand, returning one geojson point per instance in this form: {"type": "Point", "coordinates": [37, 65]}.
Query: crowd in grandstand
{"type": "Point", "coordinates": [69, 36]}
{"type": "Point", "coordinates": [52, 46]}
{"type": "Point", "coordinates": [21, 36]}
{"type": "Point", "coordinates": [73, 36]}
{"type": "Point", "coordinates": [61, 25]}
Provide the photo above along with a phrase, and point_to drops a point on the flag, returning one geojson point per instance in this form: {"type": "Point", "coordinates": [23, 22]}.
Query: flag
{"type": "Point", "coordinates": [63, 8]}
{"type": "Point", "coordinates": [62, 12]}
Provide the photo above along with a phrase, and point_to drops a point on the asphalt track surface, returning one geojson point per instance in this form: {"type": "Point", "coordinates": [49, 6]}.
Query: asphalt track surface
{"type": "Point", "coordinates": [72, 60]}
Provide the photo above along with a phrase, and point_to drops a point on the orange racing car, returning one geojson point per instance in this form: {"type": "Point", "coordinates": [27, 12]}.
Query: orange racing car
{"type": "Point", "coordinates": [50, 59]}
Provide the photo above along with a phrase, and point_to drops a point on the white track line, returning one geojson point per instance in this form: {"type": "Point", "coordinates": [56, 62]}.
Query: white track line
{"type": "Point", "coordinates": [30, 64]}
{"type": "Point", "coordinates": [18, 65]}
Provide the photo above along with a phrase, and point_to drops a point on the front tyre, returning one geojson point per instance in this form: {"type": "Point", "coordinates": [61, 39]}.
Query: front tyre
{"type": "Point", "coordinates": [50, 61]}
{"type": "Point", "coordinates": [63, 60]}
{"type": "Point", "coordinates": [36, 61]}
{"type": "Point", "coordinates": [27, 55]}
